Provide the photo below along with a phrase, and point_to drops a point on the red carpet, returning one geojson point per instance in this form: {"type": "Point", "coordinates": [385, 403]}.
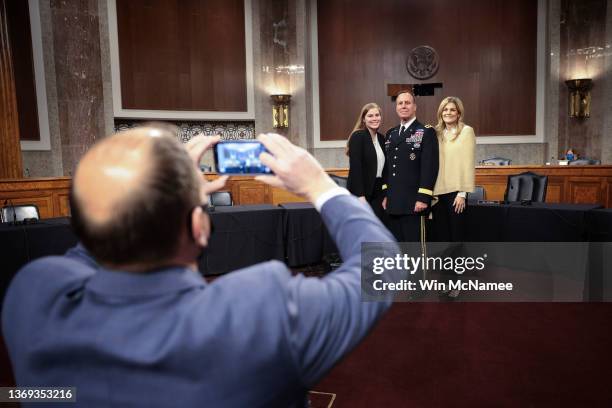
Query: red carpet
{"type": "Point", "coordinates": [481, 354]}
{"type": "Point", "coordinates": [473, 354]}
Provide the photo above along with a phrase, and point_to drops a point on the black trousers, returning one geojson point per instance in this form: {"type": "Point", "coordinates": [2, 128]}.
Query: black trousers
{"type": "Point", "coordinates": [411, 228]}
{"type": "Point", "coordinates": [447, 225]}
{"type": "Point", "coordinates": [376, 202]}
{"type": "Point", "coordinates": [407, 228]}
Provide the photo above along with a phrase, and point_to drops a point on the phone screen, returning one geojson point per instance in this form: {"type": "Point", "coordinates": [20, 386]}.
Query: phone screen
{"type": "Point", "coordinates": [240, 157]}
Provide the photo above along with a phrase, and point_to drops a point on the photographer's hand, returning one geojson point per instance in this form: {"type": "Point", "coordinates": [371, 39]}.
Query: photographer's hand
{"type": "Point", "coordinates": [196, 147]}
{"type": "Point", "coordinates": [294, 168]}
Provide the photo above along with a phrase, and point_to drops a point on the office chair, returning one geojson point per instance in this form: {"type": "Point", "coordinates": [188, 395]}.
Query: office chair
{"type": "Point", "coordinates": [526, 186]}
{"type": "Point", "coordinates": [221, 198]}
{"type": "Point", "coordinates": [22, 213]}
{"type": "Point", "coordinates": [341, 181]}
{"type": "Point", "coordinates": [584, 162]}
{"type": "Point", "coordinates": [496, 161]}
{"type": "Point", "coordinates": [478, 194]}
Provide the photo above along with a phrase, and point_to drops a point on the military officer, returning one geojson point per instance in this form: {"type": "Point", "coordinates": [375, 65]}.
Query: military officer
{"type": "Point", "coordinates": [412, 158]}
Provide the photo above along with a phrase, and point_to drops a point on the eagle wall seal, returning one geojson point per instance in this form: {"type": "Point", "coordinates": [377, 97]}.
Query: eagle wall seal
{"type": "Point", "coordinates": [422, 62]}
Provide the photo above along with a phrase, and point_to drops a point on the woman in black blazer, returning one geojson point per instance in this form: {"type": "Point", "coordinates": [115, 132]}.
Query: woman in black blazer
{"type": "Point", "coordinates": [367, 159]}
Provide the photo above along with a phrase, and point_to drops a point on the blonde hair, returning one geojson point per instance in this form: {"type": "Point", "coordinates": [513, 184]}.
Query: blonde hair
{"type": "Point", "coordinates": [440, 126]}
{"type": "Point", "coordinates": [360, 124]}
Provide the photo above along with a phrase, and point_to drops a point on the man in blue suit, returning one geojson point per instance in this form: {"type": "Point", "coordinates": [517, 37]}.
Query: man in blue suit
{"type": "Point", "coordinates": [139, 326]}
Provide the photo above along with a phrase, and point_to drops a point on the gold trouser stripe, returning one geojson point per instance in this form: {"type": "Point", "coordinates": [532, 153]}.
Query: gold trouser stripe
{"type": "Point", "coordinates": [424, 246]}
{"type": "Point", "coordinates": [425, 191]}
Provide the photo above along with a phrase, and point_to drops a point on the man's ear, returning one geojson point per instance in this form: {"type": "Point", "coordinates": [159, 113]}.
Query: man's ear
{"type": "Point", "coordinates": [199, 231]}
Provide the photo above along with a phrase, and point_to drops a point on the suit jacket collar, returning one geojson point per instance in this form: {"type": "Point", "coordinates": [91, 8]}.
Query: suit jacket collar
{"type": "Point", "coordinates": [130, 284]}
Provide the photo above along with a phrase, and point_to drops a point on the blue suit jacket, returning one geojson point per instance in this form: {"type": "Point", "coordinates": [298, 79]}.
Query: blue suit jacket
{"type": "Point", "coordinates": [257, 337]}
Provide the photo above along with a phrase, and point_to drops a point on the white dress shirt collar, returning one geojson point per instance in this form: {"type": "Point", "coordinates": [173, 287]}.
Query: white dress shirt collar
{"type": "Point", "coordinates": [407, 124]}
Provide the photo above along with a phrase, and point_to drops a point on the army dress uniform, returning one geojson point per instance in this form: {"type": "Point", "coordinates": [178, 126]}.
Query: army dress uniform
{"type": "Point", "coordinates": [412, 160]}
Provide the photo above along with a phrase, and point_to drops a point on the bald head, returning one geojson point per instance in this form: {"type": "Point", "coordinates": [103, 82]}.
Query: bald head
{"type": "Point", "coordinates": [131, 196]}
{"type": "Point", "coordinates": [111, 172]}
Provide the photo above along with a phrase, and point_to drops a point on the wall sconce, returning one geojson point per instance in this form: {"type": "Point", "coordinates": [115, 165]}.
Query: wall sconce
{"type": "Point", "coordinates": [280, 111]}
{"type": "Point", "coordinates": [579, 97]}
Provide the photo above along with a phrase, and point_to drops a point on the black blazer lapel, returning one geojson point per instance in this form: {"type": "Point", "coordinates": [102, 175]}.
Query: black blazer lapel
{"type": "Point", "coordinates": [381, 140]}
{"type": "Point", "coordinates": [370, 158]}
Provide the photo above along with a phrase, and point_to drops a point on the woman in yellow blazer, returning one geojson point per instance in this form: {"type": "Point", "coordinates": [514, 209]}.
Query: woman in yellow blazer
{"type": "Point", "coordinates": [456, 176]}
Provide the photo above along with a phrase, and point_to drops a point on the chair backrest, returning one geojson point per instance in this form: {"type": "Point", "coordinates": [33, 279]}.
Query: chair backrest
{"type": "Point", "coordinates": [19, 213]}
{"type": "Point", "coordinates": [584, 162]}
{"type": "Point", "coordinates": [221, 198]}
{"type": "Point", "coordinates": [526, 186]}
{"type": "Point", "coordinates": [341, 181]}
{"type": "Point", "coordinates": [496, 161]}
{"type": "Point", "coordinates": [478, 194]}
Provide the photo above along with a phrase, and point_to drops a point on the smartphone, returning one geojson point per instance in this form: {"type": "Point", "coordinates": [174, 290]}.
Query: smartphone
{"type": "Point", "coordinates": [240, 157]}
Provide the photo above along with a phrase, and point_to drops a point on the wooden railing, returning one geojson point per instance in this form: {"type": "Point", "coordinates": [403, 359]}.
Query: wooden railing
{"type": "Point", "coordinates": [566, 184]}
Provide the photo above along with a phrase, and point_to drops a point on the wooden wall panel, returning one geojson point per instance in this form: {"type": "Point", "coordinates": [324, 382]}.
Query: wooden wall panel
{"type": "Point", "coordinates": [182, 54]}
{"type": "Point", "coordinates": [494, 189]}
{"type": "Point", "coordinates": [23, 68]}
{"type": "Point", "coordinates": [249, 192]}
{"type": "Point", "coordinates": [280, 196]}
{"type": "Point", "coordinates": [555, 190]}
{"type": "Point", "coordinates": [566, 184]}
{"type": "Point", "coordinates": [62, 203]}
{"type": "Point", "coordinates": [49, 194]}
{"type": "Point", "coordinates": [487, 52]}
{"type": "Point", "coordinates": [10, 150]}
{"type": "Point", "coordinates": [585, 190]}
{"type": "Point", "coordinates": [42, 200]}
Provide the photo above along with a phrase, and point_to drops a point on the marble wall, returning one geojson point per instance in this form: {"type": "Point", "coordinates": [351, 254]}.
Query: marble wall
{"type": "Point", "coordinates": [71, 42]}
{"type": "Point", "coordinates": [278, 42]}
{"type": "Point", "coordinates": [606, 141]}
{"type": "Point", "coordinates": [585, 50]}
{"type": "Point", "coordinates": [78, 70]}
{"type": "Point", "coordinates": [551, 135]}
